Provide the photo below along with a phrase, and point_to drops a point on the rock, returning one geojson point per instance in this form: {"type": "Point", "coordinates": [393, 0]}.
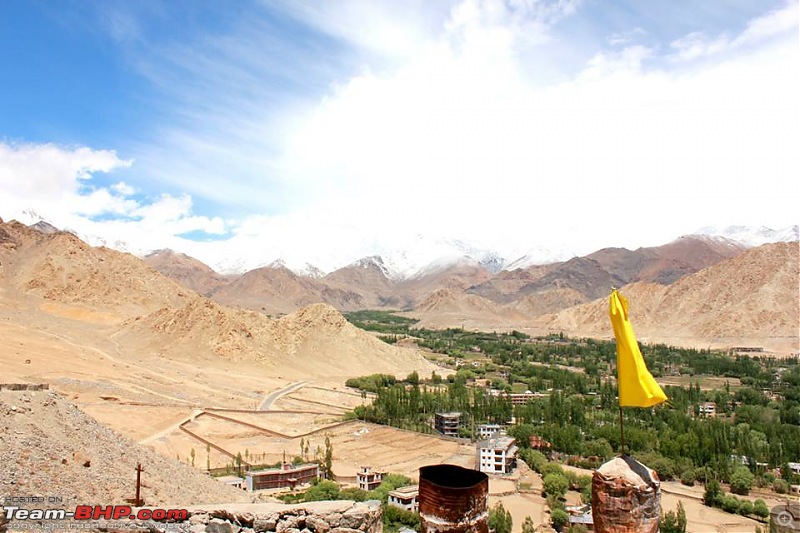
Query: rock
{"type": "Point", "coordinates": [217, 525]}
{"type": "Point", "coordinates": [261, 525]}
{"type": "Point", "coordinates": [82, 459]}
{"type": "Point", "coordinates": [200, 518]}
{"type": "Point", "coordinates": [317, 525]}
{"type": "Point", "coordinates": [626, 497]}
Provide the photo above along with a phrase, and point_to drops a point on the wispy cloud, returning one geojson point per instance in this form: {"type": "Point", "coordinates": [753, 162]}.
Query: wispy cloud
{"type": "Point", "coordinates": [774, 23]}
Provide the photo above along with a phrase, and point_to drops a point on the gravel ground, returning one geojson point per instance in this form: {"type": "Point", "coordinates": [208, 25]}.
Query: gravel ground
{"type": "Point", "coordinates": [51, 449]}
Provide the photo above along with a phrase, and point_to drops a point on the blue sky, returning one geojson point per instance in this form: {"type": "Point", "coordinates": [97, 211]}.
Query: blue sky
{"type": "Point", "coordinates": [323, 131]}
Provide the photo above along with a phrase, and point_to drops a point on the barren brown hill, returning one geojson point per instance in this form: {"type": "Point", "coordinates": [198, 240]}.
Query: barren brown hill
{"type": "Point", "coordinates": [314, 341]}
{"type": "Point", "coordinates": [273, 289]}
{"type": "Point", "coordinates": [551, 301]}
{"type": "Point", "coordinates": [753, 297]}
{"type": "Point", "coordinates": [592, 276]}
{"type": "Point", "coordinates": [505, 286]}
{"type": "Point", "coordinates": [456, 277]}
{"type": "Point", "coordinates": [188, 271]}
{"type": "Point", "coordinates": [447, 308]}
{"type": "Point", "coordinates": [365, 278]}
{"type": "Point", "coordinates": [667, 263]}
{"type": "Point", "coordinates": [51, 448]}
{"type": "Point", "coordinates": [72, 277]}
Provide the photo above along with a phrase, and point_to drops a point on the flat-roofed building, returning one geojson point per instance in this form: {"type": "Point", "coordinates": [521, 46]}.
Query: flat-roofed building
{"type": "Point", "coordinates": [487, 430]}
{"type": "Point", "coordinates": [287, 476]}
{"type": "Point", "coordinates": [447, 423]}
{"type": "Point", "coordinates": [368, 479]}
{"type": "Point", "coordinates": [708, 409]}
{"type": "Point", "coordinates": [496, 455]}
{"type": "Point", "coordinates": [233, 481]}
{"type": "Point", "coordinates": [405, 498]}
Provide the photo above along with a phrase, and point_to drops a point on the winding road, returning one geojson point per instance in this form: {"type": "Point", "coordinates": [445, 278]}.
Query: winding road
{"type": "Point", "coordinates": [267, 403]}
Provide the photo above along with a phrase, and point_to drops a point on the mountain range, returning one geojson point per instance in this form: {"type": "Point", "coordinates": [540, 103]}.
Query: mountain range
{"type": "Point", "coordinates": [170, 292]}
{"type": "Point", "coordinates": [368, 283]}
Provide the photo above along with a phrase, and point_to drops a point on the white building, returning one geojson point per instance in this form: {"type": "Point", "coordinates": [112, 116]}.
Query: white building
{"type": "Point", "coordinates": [368, 479]}
{"type": "Point", "coordinates": [708, 409]}
{"type": "Point", "coordinates": [487, 430]}
{"type": "Point", "coordinates": [496, 455]}
{"type": "Point", "coordinates": [405, 498]}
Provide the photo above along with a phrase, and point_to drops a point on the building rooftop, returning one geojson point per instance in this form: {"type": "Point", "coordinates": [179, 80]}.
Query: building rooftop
{"type": "Point", "coordinates": [497, 441]}
{"type": "Point", "coordinates": [408, 490]}
{"type": "Point", "coordinates": [230, 479]}
{"type": "Point", "coordinates": [287, 467]}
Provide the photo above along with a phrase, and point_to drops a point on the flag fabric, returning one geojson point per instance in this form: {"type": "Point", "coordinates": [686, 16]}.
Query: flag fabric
{"type": "Point", "coordinates": [637, 387]}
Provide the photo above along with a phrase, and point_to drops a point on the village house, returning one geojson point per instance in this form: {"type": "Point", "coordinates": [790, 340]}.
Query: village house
{"type": "Point", "coordinates": [447, 424]}
{"type": "Point", "coordinates": [496, 455]}
{"type": "Point", "coordinates": [286, 476]}
{"type": "Point", "coordinates": [368, 479]}
{"type": "Point", "coordinates": [405, 498]}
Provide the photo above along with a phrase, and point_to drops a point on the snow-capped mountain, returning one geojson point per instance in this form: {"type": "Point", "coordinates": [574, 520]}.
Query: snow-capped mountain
{"type": "Point", "coordinates": [753, 236]}
{"type": "Point", "coordinates": [540, 255]}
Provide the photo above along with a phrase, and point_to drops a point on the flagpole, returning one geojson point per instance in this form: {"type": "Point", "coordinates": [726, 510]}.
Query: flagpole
{"type": "Point", "coordinates": [621, 431]}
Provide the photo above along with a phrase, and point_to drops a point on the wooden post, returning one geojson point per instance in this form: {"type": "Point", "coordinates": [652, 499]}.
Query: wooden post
{"type": "Point", "coordinates": [621, 431]}
{"type": "Point", "coordinates": [138, 502]}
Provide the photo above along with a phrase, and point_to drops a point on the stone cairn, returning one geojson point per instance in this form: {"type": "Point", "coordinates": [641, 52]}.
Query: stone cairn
{"type": "Point", "coordinates": [626, 497]}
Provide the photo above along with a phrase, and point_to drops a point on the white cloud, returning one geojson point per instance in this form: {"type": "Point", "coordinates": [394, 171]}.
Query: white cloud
{"type": "Point", "coordinates": [774, 23]}
{"type": "Point", "coordinates": [49, 172]}
{"type": "Point", "coordinates": [437, 122]}
{"type": "Point", "coordinates": [56, 183]}
{"type": "Point", "coordinates": [626, 153]}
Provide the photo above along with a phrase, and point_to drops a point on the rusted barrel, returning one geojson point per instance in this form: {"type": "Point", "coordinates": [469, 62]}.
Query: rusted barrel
{"type": "Point", "coordinates": [453, 499]}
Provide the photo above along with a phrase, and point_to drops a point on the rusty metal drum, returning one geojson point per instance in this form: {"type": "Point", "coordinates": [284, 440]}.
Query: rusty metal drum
{"type": "Point", "coordinates": [453, 499]}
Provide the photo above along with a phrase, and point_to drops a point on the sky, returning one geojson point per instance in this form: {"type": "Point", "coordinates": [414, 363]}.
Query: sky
{"type": "Point", "coordinates": [321, 132]}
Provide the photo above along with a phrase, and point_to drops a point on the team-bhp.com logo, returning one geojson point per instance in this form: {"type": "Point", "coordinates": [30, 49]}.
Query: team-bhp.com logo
{"type": "Point", "coordinates": [95, 512]}
{"type": "Point", "coordinates": [786, 516]}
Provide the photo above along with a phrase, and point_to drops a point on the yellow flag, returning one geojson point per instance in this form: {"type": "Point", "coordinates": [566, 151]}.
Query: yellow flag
{"type": "Point", "coordinates": [637, 388]}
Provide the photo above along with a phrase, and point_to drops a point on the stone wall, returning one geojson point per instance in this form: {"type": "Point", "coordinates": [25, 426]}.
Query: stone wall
{"type": "Point", "coordinates": [313, 517]}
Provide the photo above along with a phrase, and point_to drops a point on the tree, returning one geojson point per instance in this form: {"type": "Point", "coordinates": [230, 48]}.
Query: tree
{"type": "Point", "coordinates": [712, 494]}
{"type": "Point", "coordinates": [741, 481]}
{"type": "Point", "coordinates": [353, 493]}
{"type": "Point", "coordinates": [527, 525]}
{"type": "Point", "coordinates": [191, 454]}
{"type": "Point", "coordinates": [560, 518]}
{"type": "Point", "coordinates": [208, 457]}
{"type": "Point", "coordinates": [599, 448]}
{"type": "Point", "coordinates": [395, 515]}
{"type": "Point", "coordinates": [555, 485]}
{"type": "Point", "coordinates": [500, 519]}
{"type": "Point", "coordinates": [328, 457]}
{"type": "Point", "coordinates": [534, 458]}
{"type": "Point", "coordinates": [746, 508]}
{"type": "Point", "coordinates": [730, 504]}
{"type": "Point", "coordinates": [324, 490]}
{"type": "Point", "coordinates": [760, 509]}
{"type": "Point", "coordinates": [673, 521]}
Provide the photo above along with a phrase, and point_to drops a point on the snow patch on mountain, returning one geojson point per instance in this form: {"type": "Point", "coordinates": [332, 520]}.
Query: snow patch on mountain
{"type": "Point", "coordinates": [753, 236]}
